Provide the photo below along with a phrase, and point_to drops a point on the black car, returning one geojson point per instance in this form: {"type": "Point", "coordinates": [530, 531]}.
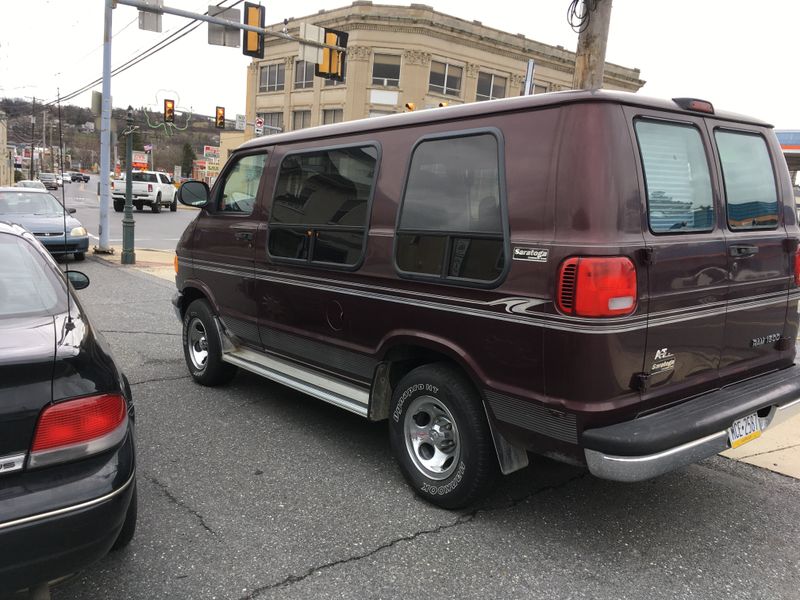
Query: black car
{"type": "Point", "coordinates": [67, 460]}
{"type": "Point", "coordinates": [75, 176]}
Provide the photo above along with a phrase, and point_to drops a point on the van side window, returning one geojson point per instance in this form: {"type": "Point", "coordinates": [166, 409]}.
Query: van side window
{"type": "Point", "coordinates": [238, 195]}
{"type": "Point", "coordinates": [450, 221]}
{"type": "Point", "coordinates": [679, 197]}
{"type": "Point", "coordinates": [320, 207]}
{"type": "Point", "coordinates": [752, 198]}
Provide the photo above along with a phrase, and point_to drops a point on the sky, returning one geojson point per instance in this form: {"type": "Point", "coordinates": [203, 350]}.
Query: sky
{"type": "Point", "coordinates": [740, 55]}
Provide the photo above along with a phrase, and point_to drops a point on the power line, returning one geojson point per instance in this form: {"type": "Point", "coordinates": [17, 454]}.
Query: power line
{"type": "Point", "coordinates": [182, 32]}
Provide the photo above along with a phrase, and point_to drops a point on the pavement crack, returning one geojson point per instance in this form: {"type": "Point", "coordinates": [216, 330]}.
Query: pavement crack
{"type": "Point", "coordinates": [461, 520]}
{"type": "Point", "coordinates": [159, 379]}
{"type": "Point", "coordinates": [142, 332]}
{"type": "Point", "coordinates": [177, 502]}
{"type": "Point", "coordinates": [768, 451]}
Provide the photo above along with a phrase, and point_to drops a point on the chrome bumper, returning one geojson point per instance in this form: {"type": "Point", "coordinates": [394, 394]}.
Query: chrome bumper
{"type": "Point", "coordinates": [639, 468]}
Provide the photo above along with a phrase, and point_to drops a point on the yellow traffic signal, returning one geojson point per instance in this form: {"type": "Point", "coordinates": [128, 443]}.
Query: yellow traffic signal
{"type": "Point", "coordinates": [411, 107]}
{"type": "Point", "coordinates": [169, 111]}
{"type": "Point", "coordinates": [219, 120]}
{"type": "Point", "coordinates": [252, 42]}
{"type": "Point", "coordinates": [333, 61]}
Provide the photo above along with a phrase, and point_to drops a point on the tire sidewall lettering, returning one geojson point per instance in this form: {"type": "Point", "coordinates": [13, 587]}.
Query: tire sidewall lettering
{"type": "Point", "coordinates": [412, 389]}
{"type": "Point", "coordinates": [441, 490]}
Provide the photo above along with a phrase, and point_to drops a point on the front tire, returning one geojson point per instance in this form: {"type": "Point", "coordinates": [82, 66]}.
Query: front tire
{"type": "Point", "coordinates": [156, 206]}
{"type": "Point", "coordinates": [173, 207]}
{"type": "Point", "coordinates": [440, 436]}
{"type": "Point", "coordinates": [202, 347]}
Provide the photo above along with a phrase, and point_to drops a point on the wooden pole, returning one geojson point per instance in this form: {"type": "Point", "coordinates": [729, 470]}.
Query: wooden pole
{"type": "Point", "coordinates": [590, 57]}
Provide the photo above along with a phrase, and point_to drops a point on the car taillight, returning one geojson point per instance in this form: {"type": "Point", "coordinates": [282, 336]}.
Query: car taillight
{"type": "Point", "coordinates": [149, 187]}
{"type": "Point", "coordinates": [76, 428]}
{"type": "Point", "coordinates": [112, 185]}
{"type": "Point", "coordinates": [797, 267]}
{"type": "Point", "coordinates": [597, 286]}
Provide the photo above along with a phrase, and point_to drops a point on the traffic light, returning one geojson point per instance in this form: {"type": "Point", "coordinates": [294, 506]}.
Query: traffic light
{"type": "Point", "coordinates": [219, 120]}
{"type": "Point", "coordinates": [411, 107]}
{"type": "Point", "coordinates": [252, 42]}
{"type": "Point", "coordinates": [169, 111]}
{"type": "Point", "coordinates": [333, 61]}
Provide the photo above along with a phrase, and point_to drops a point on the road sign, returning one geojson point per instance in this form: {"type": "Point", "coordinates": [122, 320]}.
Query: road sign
{"type": "Point", "coordinates": [150, 21]}
{"type": "Point", "coordinates": [240, 122]}
{"type": "Point", "coordinates": [311, 33]}
{"type": "Point", "coordinates": [259, 126]}
{"type": "Point", "coordinates": [220, 35]}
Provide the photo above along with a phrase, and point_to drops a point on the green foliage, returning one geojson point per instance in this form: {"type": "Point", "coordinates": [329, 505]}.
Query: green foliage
{"type": "Point", "coordinates": [186, 161]}
{"type": "Point", "coordinates": [18, 175]}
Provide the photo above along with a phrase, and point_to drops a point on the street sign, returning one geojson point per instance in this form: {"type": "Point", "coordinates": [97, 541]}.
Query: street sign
{"type": "Point", "coordinates": [150, 21]}
{"type": "Point", "coordinates": [211, 152]}
{"type": "Point", "coordinates": [240, 122]}
{"type": "Point", "coordinates": [220, 35]}
{"type": "Point", "coordinates": [176, 174]}
{"type": "Point", "coordinates": [259, 126]}
{"type": "Point", "coordinates": [312, 33]}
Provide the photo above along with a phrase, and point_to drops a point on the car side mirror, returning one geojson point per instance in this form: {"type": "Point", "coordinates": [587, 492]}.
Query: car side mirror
{"type": "Point", "coordinates": [194, 193]}
{"type": "Point", "coordinates": [72, 211]}
{"type": "Point", "coordinates": [78, 280]}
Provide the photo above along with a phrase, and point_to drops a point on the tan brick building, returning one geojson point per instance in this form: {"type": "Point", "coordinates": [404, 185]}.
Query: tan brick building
{"type": "Point", "coordinates": [401, 54]}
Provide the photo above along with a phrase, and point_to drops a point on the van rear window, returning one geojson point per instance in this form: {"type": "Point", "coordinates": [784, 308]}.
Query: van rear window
{"type": "Point", "coordinates": [752, 198]}
{"type": "Point", "coordinates": [679, 197]}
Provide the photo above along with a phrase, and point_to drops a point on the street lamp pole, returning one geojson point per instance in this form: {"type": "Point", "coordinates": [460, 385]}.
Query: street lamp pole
{"type": "Point", "coordinates": [128, 255]}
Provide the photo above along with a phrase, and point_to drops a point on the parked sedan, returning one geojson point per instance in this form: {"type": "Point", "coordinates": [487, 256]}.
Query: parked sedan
{"type": "Point", "coordinates": [67, 460]}
{"type": "Point", "coordinates": [49, 180]}
{"type": "Point", "coordinates": [41, 214]}
{"type": "Point", "coordinates": [30, 183]}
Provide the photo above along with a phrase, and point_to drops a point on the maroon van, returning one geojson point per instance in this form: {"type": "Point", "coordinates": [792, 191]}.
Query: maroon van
{"type": "Point", "coordinates": [597, 277]}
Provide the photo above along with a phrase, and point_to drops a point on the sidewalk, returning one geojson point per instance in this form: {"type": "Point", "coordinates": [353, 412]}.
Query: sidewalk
{"type": "Point", "coordinates": [777, 450]}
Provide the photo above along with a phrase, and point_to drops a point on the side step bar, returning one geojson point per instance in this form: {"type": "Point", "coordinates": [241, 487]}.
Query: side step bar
{"type": "Point", "coordinates": [328, 389]}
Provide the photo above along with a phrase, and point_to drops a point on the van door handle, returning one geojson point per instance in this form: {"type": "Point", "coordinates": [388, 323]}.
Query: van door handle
{"type": "Point", "coordinates": [743, 251]}
{"type": "Point", "coordinates": [243, 235]}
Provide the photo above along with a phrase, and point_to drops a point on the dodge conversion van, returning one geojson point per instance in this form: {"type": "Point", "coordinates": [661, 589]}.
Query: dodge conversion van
{"type": "Point", "coordinates": [600, 278]}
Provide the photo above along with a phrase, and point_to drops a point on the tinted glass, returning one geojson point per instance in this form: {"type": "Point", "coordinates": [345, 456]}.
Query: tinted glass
{"type": "Point", "coordinates": [326, 187]}
{"type": "Point", "coordinates": [750, 191]}
{"type": "Point", "coordinates": [453, 185]}
{"type": "Point", "coordinates": [679, 196]}
{"type": "Point", "coordinates": [241, 185]}
{"type": "Point", "coordinates": [386, 70]}
{"type": "Point", "coordinates": [421, 253]}
{"type": "Point", "coordinates": [340, 247]}
{"type": "Point", "coordinates": [146, 177]}
{"type": "Point", "coordinates": [28, 285]}
{"type": "Point", "coordinates": [288, 243]}
{"type": "Point", "coordinates": [29, 203]}
{"type": "Point", "coordinates": [476, 259]}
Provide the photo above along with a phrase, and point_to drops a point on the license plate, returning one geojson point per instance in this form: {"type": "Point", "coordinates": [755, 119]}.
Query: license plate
{"type": "Point", "coordinates": [744, 430]}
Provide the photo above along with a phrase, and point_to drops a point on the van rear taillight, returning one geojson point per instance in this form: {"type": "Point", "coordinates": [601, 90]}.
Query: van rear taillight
{"type": "Point", "coordinates": [797, 268]}
{"type": "Point", "coordinates": [77, 428]}
{"type": "Point", "coordinates": [601, 286]}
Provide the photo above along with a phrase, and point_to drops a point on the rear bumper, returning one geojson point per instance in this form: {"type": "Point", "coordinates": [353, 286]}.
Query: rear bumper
{"type": "Point", "coordinates": [79, 510]}
{"type": "Point", "coordinates": [666, 440]}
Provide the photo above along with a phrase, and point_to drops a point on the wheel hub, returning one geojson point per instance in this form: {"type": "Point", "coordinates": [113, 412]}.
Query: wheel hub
{"type": "Point", "coordinates": [432, 439]}
{"type": "Point", "coordinates": [197, 344]}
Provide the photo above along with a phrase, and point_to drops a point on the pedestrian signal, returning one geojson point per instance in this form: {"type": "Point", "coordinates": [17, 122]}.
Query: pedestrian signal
{"type": "Point", "coordinates": [169, 111]}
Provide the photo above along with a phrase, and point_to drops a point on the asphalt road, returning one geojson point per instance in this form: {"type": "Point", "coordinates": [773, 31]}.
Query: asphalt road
{"type": "Point", "coordinates": [151, 231]}
{"type": "Point", "coordinates": [255, 491]}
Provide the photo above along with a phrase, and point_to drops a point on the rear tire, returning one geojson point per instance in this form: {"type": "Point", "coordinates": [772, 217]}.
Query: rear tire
{"type": "Point", "coordinates": [156, 206]}
{"type": "Point", "coordinates": [129, 526]}
{"type": "Point", "coordinates": [79, 256]}
{"type": "Point", "coordinates": [202, 347]}
{"type": "Point", "coordinates": [440, 436]}
{"type": "Point", "coordinates": [139, 206]}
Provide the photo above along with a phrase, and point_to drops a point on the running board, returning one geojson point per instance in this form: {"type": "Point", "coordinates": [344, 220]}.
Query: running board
{"type": "Point", "coordinates": [303, 379]}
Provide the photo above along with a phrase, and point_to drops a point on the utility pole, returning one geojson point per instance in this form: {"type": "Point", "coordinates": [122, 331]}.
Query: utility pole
{"type": "Point", "coordinates": [590, 57]}
{"type": "Point", "coordinates": [128, 255]}
{"type": "Point", "coordinates": [105, 134]}
{"type": "Point", "coordinates": [44, 142]}
{"type": "Point", "coordinates": [33, 126]}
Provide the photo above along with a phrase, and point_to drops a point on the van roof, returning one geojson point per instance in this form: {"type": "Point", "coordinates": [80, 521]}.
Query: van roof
{"type": "Point", "coordinates": [473, 109]}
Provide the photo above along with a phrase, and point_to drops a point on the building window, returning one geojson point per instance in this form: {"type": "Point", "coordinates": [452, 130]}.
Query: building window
{"type": "Point", "coordinates": [273, 122]}
{"type": "Point", "coordinates": [272, 78]}
{"type": "Point", "coordinates": [747, 172]}
{"type": "Point", "coordinates": [490, 87]}
{"type": "Point", "coordinates": [334, 82]}
{"type": "Point", "coordinates": [301, 119]}
{"type": "Point", "coordinates": [677, 178]}
{"type": "Point", "coordinates": [320, 208]}
{"type": "Point", "coordinates": [451, 224]}
{"type": "Point", "coordinates": [445, 79]}
{"type": "Point", "coordinates": [386, 70]}
{"type": "Point", "coordinates": [332, 115]}
{"type": "Point", "coordinates": [303, 75]}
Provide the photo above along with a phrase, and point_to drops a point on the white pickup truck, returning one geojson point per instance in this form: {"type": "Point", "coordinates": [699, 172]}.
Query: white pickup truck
{"type": "Point", "coordinates": [150, 188]}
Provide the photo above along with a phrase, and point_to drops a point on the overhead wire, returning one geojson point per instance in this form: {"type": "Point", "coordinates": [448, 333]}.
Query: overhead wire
{"type": "Point", "coordinates": [157, 47]}
{"type": "Point", "coordinates": [579, 14]}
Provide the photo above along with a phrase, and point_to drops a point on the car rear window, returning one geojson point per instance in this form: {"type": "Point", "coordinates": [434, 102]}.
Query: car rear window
{"type": "Point", "coordinates": [146, 177]}
{"type": "Point", "coordinates": [677, 179]}
{"type": "Point", "coordinates": [752, 197]}
{"type": "Point", "coordinates": [28, 285]}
